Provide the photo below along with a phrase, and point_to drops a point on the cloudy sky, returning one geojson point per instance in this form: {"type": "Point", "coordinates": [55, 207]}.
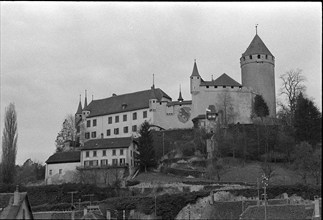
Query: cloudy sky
{"type": "Point", "coordinates": [51, 52]}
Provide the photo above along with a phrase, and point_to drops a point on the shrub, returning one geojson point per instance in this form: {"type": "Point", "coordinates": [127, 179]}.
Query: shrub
{"type": "Point", "coordinates": [132, 182]}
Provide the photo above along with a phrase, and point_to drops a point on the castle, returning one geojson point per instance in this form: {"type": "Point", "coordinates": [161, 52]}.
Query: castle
{"type": "Point", "coordinates": [106, 127]}
{"type": "Point", "coordinates": [122, 115]}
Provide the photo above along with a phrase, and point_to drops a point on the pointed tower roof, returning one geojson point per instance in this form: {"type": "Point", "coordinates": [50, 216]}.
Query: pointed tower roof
{"type": "Point", "coordinates": [85, 101]}
{"type": "Point", "coordinates": [180, 98]}
{"type": "Point", "coordinates": [195, 71]}
{"type": "Point", "coordinates": [79, 109]}
{"type": "Point", "coordinates": [257, 46]}
{"type": "Point", "coordinates": [152, 94]}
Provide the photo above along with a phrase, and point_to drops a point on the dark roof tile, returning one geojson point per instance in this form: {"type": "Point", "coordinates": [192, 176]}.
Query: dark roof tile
{"type": "Point", "coordinates": [223, 80]}
{"type": "Point", "coordinates": [107, 143]}
{"type": "Point", "coordinates": [257, 46]}
{"type": "Point", "coordinates": [275, 212]}
{"type": "Point", "coordinates": [64, 157]}
{"type": "Point", "coordinates": [133, 101]}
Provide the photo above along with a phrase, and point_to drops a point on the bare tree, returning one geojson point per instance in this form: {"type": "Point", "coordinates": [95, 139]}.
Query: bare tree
{"type": "Point", "coordinates": [225, 104]}
{"type": "Point", "coordinates": [9, 144]}
{"type": "Point", "coordinates": [292, 86]}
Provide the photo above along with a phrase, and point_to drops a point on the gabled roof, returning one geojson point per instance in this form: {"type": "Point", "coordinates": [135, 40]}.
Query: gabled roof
{"type": "Point", "coordinates": [107, 143]}
{"type": "Point", "coordinates": [223, 80]}
{"type": "Point", "coordinates": [7, 209]}
{"type": "Point", "coordinates": [64, 157]}
{"type": "Point", "coordinates": [133, 101]}
{"type": "Point", "coordinates": [195, 71]}
{"type": "Point", "coordinates": [257, 46]}
{"type": "Point", "coordinates": [287, 212]}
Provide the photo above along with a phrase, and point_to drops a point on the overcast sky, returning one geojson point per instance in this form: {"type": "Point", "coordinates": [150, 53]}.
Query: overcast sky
{"type": "Point", "coordinates": [51, 52]}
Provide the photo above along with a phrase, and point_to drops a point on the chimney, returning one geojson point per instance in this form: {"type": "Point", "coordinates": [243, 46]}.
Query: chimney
{"type": "Point", "coordinates": [316, 207]}
{"type": "Point", "coordinates": [16, 197]}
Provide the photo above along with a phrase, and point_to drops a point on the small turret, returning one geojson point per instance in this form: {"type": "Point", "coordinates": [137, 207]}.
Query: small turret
{"type": "Point", "coordinates": [180, 98]}
{"type": "Point", "coordinates": [85, 101]}
{"type": "Point", "coordinates": [195, 79]}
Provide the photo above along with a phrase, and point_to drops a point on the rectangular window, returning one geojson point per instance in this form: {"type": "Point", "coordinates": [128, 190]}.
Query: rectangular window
{"type": "Point", "coordinates": [87, 154]}
{"type": "Point", "coordinates": [108, 132]}
{"type": "Point", "coordinates": [87, 135]}
{"type": "Point", "coordinates": [116, 131]}
{"type": "Point", "coordinates": [104, 153]}
{"type": "Point", "coordinates": [134, 128]}
{"type": "Point", "coordinates": [122, 161]}
{"type": "Point", "coordinates": [94, 153]}
{"type": "Point", "coordinates": [114, 152]}
{"type": "Point", "coordinates": [95, 163]}
{"type": "Point", "coordinates": [93, 134]}
{"type": "Point", "coordinates": [124, 117]}
{"type": "Point", "coordinates": [130, 153]}
{"type": "Point", "coordinates": [50, 172]}
{"type": "Point", "coordinates": [121, 151]}
{"type": "Point", "coordinates": [134, 116]}
{"type": "Point", "coordinates": [86, 163]}
{"type": "Point", "coordinates": [104, 162]}
{"type": "Point", "coordinates": [114, 162]}
{"type": "Point", "coordinates": [125, 130]}
{"type": "Point", "coordinates": [110, 120]}
{"type": "Point", "coordinates": [94, 122]}
{"type": "Point", "coordinates": [144, 114]}
{"type": "Point", "coordinates": [60, 171]}
{"type": "Point", "coordinates": [131, 162]}
{"type": "Point", "coordinates": [116, 119]}
{"type": "Point", "coordinates": [88, 123]}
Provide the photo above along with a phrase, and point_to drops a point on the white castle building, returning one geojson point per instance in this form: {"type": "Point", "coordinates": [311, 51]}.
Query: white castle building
{"type": "Point", "coordinates": [120, 116]}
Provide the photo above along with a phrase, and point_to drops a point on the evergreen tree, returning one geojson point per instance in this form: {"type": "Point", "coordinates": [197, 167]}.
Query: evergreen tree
{"type": "Point", "coordinates": [260, 107]}
{"type": "Point", "coordinates": [146, 153]}
{"type": "Point", "coordinates": [307, 121]}
{"type": "Point", "coordinates": [9, 144]}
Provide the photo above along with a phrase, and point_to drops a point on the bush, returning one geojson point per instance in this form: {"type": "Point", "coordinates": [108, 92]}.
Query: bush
{"type": "Point", "coordinates": [132, 182]}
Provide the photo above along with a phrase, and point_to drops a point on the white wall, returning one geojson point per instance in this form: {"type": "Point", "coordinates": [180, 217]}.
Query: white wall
{"type": "Point", "coordinates": [99, 155]}
{"type": "Point", "coordinates": [68, 170]}
{"type": "Point", "coordinates": [103, 125]}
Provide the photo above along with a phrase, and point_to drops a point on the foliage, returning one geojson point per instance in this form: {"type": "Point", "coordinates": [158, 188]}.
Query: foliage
{"type": "Point", "coordinates": [302, 160]}
{"type": "Point", "coordinates": [146, 153]}
{"type": "Point", "coordinates": [200, 136]}
{"type": "Point", "coordinates": [308, 121]}
{"type": "Point", "coordinates": [30, 172]}
{"type": "Point", "coordinates": [260, 107]}
{"type": "Point", "coordinates": [316, 170]}
{"type": "Point", "coordinates": [67, 133]}
{"type": "Point", "coordinates": [9, 144]}
{"type": "Point", "coordinates": [132, 182]}
{"type": "Point", "coordinates": [268, 169]}
{"type": "Point", "coordinates": [182, 172]}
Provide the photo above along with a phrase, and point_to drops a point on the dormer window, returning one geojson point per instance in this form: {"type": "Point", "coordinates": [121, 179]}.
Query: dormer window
{"type": "Point", "coordinates": [124, 106]}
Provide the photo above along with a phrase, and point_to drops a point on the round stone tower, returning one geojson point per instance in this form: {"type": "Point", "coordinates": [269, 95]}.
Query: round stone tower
{"type": "Point", "coordinates": [258, 72]}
